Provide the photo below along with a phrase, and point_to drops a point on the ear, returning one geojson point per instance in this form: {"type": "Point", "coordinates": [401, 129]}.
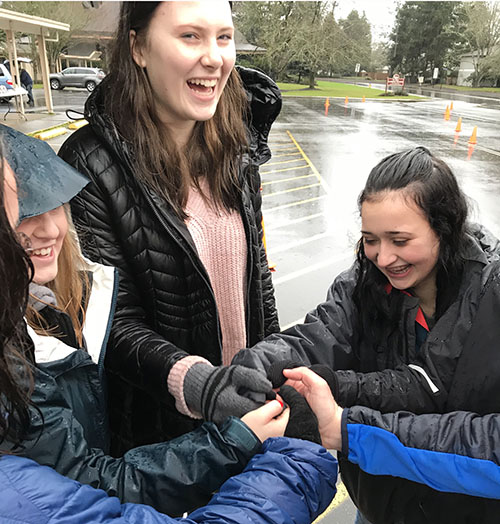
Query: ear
{"type": "Point", "coordinates": [136, 49]}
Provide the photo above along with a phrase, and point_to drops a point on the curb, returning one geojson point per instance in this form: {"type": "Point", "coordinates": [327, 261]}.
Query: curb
{"type": "Point", "coordinates": [60, 129]}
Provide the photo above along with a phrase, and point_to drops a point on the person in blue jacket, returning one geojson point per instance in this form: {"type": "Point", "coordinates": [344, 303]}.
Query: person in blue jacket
{"type": "Point", "coordinates": [287, 482]}
{"type": "Point", "coordinates": [458, 452]}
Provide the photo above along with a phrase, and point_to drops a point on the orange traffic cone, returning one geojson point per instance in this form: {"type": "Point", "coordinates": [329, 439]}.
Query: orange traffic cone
{"type": "Point", "coordinates": [447, 113]}
{"type": "Point", "coordinates": [459, 125]}
{"type": "Point", "coordinates": [363, 99]}
{"type": "Point", "coordinates": [473, 137]}
{"type": "Point", "coordinates": [451, 106]}
{"type": "Point", "coordinates": [346, 101]}
{"type": "Point", "coordinates": [327, 105]}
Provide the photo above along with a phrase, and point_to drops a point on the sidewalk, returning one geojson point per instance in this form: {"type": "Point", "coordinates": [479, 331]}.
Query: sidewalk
{"type": "Point", "coordinates": [36, 121]}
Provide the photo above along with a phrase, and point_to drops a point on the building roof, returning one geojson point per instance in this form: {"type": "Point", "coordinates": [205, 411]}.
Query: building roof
{"type": "Point", "coordinates": [14, 21]}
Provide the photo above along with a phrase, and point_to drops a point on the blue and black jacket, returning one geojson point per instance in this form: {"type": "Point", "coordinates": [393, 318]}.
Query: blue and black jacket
{"type": "Point", "coordinates": [458, 453]}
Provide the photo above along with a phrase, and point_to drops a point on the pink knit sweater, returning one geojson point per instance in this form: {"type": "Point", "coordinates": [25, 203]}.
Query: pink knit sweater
{"type": "Point", "coordinates": [220, 240]}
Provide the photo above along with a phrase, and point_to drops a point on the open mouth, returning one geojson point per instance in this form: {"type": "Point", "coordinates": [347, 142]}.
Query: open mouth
{"type": "Point", "coordinates": [202, 86]}
{"type": "Point", "coordinates": [42, 253]}
{"type": "Point", "coordinates": [399, 271]}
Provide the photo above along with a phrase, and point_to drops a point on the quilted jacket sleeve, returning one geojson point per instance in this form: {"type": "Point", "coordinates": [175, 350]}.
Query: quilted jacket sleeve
{"type": "Point", "coordinates": [292, 482]}
{"type": "Point", "coordinates": [455, 452]}
{"type": "Point", "coordinates": [30, 494]}
{"type": "Point", "coordinates": [143, 357]}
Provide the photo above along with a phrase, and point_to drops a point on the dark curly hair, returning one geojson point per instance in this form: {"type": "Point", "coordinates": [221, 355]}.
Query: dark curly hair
{"type": "Point", "coordinates": [15, 372]}
{"type": "Point", "coordinates": [430, 183]}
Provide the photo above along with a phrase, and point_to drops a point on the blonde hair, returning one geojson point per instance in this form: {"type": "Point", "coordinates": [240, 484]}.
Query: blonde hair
{"type": "Point", "coordinates": [70, 287]}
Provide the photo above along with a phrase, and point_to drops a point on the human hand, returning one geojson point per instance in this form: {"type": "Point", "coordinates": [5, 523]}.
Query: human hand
{"type": "Point", "coordinates": [218, 392]}
{"type": "Point", "coordinates": [268, 421]}
{"type": "Point", "coordinates": [319, 397]}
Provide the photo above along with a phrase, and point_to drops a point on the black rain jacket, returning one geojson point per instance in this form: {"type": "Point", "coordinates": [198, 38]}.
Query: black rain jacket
{"type": "Point", "coordinates": [457, 368]}
{"type": "Point", "coordinates": [166, 306]}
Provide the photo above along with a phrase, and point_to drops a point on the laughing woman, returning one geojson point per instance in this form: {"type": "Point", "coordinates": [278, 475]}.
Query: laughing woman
{"type": "Point", "coordinates": [172, 149]}
{"type": "Point", "coordinates": [397, 330]}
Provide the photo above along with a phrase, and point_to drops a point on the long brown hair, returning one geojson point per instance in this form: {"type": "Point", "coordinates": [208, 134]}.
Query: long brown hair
{"type": "Point", "coordinates": [215, 147]}
{"type": "Point", "coordinates": [15, 372]}
{"type": "Point", "coordinates": [70, 287]}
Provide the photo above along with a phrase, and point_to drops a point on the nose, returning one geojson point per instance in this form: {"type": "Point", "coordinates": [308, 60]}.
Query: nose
{"type": "Point", "coordinates": [212, 56]}
{"type": "Point", "coordinates": [385, 255]}
{"type": "Point", "coordinates": [46, 227]}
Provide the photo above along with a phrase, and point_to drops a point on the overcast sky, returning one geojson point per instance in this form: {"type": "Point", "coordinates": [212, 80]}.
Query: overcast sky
{"type": "Point", "coordinates": [380, 13]}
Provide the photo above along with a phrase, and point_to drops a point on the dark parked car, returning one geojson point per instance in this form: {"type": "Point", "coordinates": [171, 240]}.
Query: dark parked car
{"type": "Point", "coordinates": [87, 77]}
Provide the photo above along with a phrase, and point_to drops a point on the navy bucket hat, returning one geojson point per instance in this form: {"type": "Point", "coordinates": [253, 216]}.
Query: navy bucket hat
{"type": "Point", "coordinates": [44, 181]}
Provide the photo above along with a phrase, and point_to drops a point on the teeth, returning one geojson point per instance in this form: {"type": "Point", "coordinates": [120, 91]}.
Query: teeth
{"type": "Point", "coordinates": [399, 270]}
{"type": "Point", "coordinates": [46, 251]}
{"type": "Point", "coordinates": [202, 82]}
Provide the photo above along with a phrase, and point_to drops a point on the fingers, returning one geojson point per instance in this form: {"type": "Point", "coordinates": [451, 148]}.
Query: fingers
{"type": "Point", "coordinates": [267, 421]}
{"type": "Point", "coordinates": [306, 376]}
{"type": "Point", "coordinates": [270, 410]}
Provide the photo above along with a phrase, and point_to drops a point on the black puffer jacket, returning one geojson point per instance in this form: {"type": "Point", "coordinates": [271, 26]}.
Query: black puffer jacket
{"type": "Point", "coordinates": [455, 369]}
{"type": "Point", "coordinates": [166, 306]}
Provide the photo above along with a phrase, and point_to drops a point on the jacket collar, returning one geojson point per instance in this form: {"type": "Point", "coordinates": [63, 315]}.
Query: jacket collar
{"type": "Point", "coordinates": [97, 319]}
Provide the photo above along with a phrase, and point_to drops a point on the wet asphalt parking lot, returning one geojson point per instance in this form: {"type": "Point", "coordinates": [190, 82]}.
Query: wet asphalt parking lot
{"type": "Point", "coordinates": [318, 168]}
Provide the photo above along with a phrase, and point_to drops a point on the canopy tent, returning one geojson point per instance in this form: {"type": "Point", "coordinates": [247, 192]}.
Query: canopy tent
{"type": "Point", "coordinates": [43, 28]}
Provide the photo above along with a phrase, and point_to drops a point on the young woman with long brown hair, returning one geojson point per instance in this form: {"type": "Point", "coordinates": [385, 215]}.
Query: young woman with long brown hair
{"type": "Point", "coordinates": [175, 138]}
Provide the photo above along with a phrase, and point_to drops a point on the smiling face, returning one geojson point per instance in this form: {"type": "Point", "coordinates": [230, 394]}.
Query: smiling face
{"type": "Point", "coordinates": [46, 232]}
{"type": "Point", "coordinates": [398, 239]}
{"type": "Point", "coordinates": [188, 53]}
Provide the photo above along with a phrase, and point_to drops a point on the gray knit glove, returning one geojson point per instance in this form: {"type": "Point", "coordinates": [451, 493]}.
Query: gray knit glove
{"type": "Point", "coordinates": [218, 392]}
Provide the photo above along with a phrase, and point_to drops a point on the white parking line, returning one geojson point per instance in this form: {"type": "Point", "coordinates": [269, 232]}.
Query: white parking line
{"type": "Point", "coordinates": [313, 267]}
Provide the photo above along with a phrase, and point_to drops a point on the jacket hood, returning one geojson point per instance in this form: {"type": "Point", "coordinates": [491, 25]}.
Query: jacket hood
{"type": "Point", "coordinates": [484, 244]}
{"type": "Point", "coordinates": [264, 99]}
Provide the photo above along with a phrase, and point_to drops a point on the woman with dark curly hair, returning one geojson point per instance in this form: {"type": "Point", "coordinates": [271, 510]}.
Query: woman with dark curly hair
{"type": "Point", "coordinates": [406, 328]}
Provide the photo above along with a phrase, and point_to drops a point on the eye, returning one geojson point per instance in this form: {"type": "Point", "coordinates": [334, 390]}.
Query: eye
{"type": "Point", "coordinates": [369, 241]}
{"type": "Point", "coordinates": [400, 242]}
{"type": "Point", "coordinates": [188, 36]}
{"type": "Point", "coordinates": [226, 37]}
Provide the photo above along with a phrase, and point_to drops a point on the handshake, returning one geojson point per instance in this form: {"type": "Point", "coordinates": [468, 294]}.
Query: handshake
{"type": "Point", "coordinates": [218, 392]}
